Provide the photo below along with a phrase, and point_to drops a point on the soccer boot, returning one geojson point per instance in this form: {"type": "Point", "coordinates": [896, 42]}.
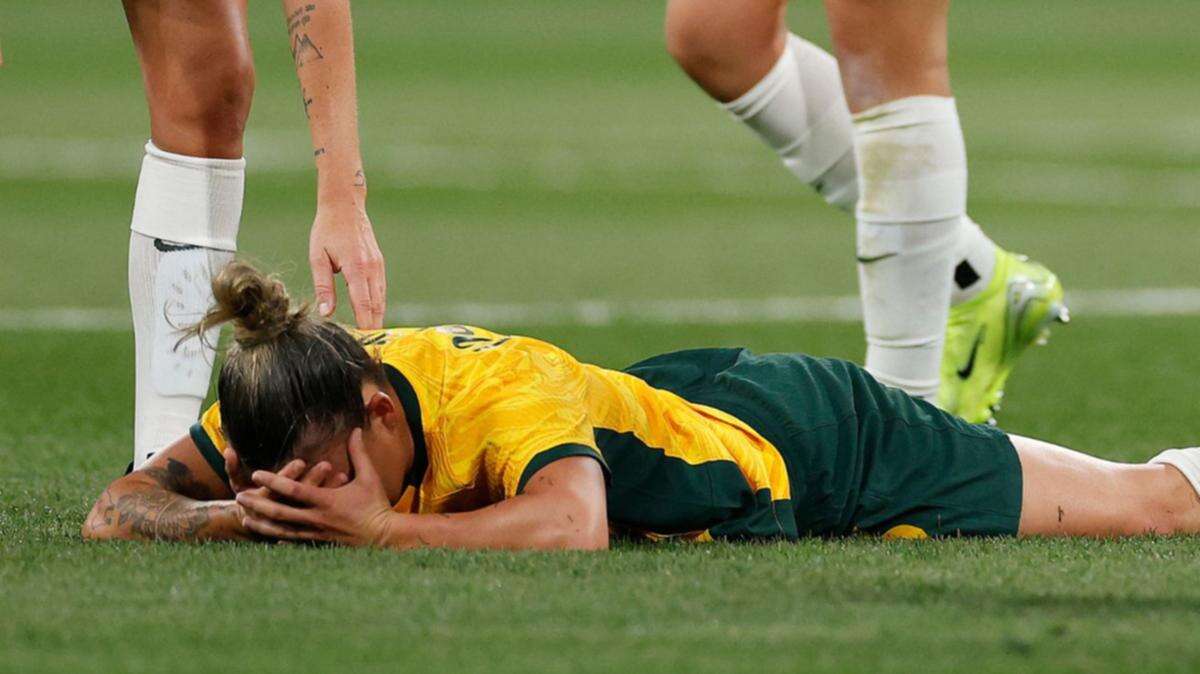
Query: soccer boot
{"type": "Point", "coordinates": [986, 334]}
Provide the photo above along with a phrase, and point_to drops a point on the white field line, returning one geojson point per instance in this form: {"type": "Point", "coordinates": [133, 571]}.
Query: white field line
{"type": "Point", "coordinates": [828, 309]}
{"type": "Point", "coordinates": [631, 165]}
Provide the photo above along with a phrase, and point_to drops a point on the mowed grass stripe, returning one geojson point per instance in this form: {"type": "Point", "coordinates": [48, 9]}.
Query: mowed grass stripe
{"type": "Point", "coordinates": [626, 166]}
{"type": "Point", "coordinates": [718, 311]}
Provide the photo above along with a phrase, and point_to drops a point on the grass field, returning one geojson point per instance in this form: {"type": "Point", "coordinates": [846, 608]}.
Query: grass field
{"type": "Point", "coordinates": [529, 151]}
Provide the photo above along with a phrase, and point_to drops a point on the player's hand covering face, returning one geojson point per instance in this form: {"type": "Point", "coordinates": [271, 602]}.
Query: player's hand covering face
{"type": "Point", "coordinates": [355, 513]}
{"type": "Point", "coordinates": [323, 474]}
{"type": "Point", "coordinates": [342, 240]}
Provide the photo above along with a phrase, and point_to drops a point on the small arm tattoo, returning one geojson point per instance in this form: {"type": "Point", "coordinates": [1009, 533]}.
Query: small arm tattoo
{"type": "Point", "coordinates": [304, 50]}
{"type": "Point", "coordinates": [360, 178]}
{"type": "Point", "coordinates": [307, 101]}
{"type": "Point", "coordinates": [318, 152]}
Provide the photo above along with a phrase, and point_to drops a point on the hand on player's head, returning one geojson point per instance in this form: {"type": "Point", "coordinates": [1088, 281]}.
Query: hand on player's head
{"type": "Point", "coordinates": [343, 241]}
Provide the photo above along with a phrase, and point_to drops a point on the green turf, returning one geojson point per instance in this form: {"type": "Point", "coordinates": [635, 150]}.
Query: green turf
{"type": "Point", "coordinates": [529, 140]}
{"type": "Point", "coordinates": [529, 150]}
{"type": "Point", "coordinates": [994, 606]}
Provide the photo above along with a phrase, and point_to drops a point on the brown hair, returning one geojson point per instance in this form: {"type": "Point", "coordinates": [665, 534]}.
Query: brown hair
{"type": "Point", "coordinates": [290, 381]}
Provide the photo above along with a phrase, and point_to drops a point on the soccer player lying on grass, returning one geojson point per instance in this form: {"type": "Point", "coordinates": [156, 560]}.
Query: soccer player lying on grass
{"type": "Point", "coordinates": [460, 437]}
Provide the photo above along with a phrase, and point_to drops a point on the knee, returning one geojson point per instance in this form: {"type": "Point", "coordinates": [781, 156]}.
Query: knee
{"type": "Point", "coordinates": [221, 104]}
{"type": "Point", "coordinates": [1153, 519]}
{"type": "Point", "coordinates": [204, 113]}
{"type": "Point", "coordinates": [692, 41]}
{"type": "Point", "coordinates": [724, 45]}
{"type": "Point", "coordinates": [1169, 505]}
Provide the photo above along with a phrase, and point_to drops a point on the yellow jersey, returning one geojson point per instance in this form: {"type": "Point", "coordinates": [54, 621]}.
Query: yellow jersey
{"type": "Point", "coordinates": [487, 411]}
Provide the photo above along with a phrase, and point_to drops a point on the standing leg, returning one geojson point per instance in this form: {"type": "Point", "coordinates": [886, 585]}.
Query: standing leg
{"type": "Point", "coordinates": [789, 93]}
{"type": "Point", "coordinates": [912, 180]}
{"type": "Point", "coordinates": [199, 78]}
{"type": "Point", "coordinates": [1066, 493]}
{"type": "Point", "coordinates": [783, 88]}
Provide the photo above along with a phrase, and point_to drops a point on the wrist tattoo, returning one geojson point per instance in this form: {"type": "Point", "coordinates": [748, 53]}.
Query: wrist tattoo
{"type": "Point", "coordinates": [304, 50]}
{"type": "Point", "coordinates": [360, 178]}
{"type": "Point", "coordinates": [319, 152]}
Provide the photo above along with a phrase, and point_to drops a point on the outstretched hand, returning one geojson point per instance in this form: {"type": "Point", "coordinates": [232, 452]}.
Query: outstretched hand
{"type": "Point", "coordinates": [343, 241]}
{"type": "Point", "coordinates": [356, 513]}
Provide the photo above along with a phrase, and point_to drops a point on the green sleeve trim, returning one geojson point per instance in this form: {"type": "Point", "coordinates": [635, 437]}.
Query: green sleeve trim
{"type": "Point", "coordinates": [209, 451]}
{"type": "Point", "coordinates": [545, 458]}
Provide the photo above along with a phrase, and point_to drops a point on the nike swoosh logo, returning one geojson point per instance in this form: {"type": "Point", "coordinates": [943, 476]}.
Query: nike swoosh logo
{"type": "Point", "coordinates": [877, 258]}
{"type": "Point", "coordinates": [965, 373]}
{"type": "Point", "coordinates": [172, 247]}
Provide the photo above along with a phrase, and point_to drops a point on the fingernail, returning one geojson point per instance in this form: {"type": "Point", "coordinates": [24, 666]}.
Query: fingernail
{"type": "Point", "coordinates": [324, 308]}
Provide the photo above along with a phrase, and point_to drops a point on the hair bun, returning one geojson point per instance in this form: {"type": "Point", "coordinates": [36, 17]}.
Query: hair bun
{"type": "Point", "coordinates": [258, 305]}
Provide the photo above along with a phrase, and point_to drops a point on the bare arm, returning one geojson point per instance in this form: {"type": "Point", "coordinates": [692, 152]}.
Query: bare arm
{"type": "Point", "coordinates": [342, 239]}
{"type": "Point", "coordinates": [563, 507]}
{"type": "Point", "coordinates": [176, 496]}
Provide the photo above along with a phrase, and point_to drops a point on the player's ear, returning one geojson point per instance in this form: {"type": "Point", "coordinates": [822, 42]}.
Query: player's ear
{"type": "Point", "coordinates": [380, 406]}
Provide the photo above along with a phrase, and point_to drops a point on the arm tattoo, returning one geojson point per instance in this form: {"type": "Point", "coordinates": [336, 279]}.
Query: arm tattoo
{"type": "Point", "coordinates": [360, 178]}
{"type": "Point", "coordinates": [307, 101]}
{"type": "Point", "coordinates": [171, 512]}
{"type": "Point", "coordinates": [178, 478]}
{"type": "Point", "coordinates": [304, 50]}
{"type": "Point", "coordinates": [318, 152]}
{"type": "Point", "coordinates": [164, 515]}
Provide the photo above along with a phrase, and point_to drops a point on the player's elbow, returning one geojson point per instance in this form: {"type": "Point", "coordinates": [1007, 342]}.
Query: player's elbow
{"type": "Point", "coordinates": [595, 537]}
{"type": "Point", "coordinates": [579, 531]}
{"type": "Point", "coordinates": [102, 522]}
{"type": "Point", "coordinates": [96, 526]}
{"type": "Point", "coordinates": [579, 540]}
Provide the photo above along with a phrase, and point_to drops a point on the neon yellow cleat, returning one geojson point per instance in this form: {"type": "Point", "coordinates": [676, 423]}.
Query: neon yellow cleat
{"type": "Point", "coordinates": [986, 335]}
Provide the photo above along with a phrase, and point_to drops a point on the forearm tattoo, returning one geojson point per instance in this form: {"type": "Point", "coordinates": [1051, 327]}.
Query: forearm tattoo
{"type": "Point", "coordinates": [171, 513]}
{"type": "Point", "coordinates": [304, 50]}
{"type": "Point", "coordinates": [307, 101]}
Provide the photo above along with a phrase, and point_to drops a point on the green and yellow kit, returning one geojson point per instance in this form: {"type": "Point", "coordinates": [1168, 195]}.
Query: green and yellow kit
{"type": "Point", "coordinates": [702, 444]}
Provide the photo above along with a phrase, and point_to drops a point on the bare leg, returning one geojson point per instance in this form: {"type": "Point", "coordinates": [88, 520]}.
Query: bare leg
{"type": "Point", "coordinates": [1067, 493]}
{"type": "Point", "coordinates": [786, 90]}
{"type": "Point", "coordinates": [198, 72]}
{"type": "Point", "coordinates": [890, 50]}
{"type": "Point", "coordinates": [726, 46]}
{"type": "Point", "coordinates": [199, 79]}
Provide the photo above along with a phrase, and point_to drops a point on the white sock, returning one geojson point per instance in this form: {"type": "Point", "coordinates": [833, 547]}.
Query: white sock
{"type": "Point", "coordinates": [800, 111]}
{"type": "Point", "coordinates": [913, 191]}
{"type": "Point", "coordinates": [975, 263]}
{"type": "Point", "coordinates": [185, 222]}
{"type": "Point", "coordinates": [1187, 461]}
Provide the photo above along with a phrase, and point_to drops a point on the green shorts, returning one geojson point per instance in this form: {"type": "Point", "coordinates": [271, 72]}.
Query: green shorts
{"type": "Point", "coordinates": [861, 456]}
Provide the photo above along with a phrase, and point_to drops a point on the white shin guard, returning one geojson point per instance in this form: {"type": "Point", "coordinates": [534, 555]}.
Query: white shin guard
{"type": "Point", "coordinates": [185, 223]}
{"type": "Point", "coordinates": [799, 110]}
{"type": "Point", "coordinates": [913, 185]}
